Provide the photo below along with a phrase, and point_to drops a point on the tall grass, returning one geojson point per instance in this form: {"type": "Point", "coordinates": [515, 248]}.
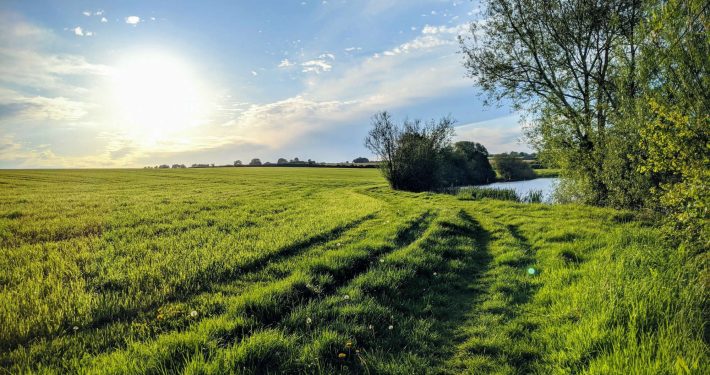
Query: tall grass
{"type": "Point", "coordinates": [476, 193]}
{"type": "Point", "coordinates": [533, 196]}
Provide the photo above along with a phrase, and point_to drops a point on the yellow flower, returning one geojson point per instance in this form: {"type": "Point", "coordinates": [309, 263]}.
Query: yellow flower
{"type": "Point", "coordinates": [349, 344]}
{"type": "Point", "coordinates": [342, 355]}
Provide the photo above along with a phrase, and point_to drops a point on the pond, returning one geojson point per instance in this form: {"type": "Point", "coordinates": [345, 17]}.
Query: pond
{"type": "Point", "coordinates": [522, 188]}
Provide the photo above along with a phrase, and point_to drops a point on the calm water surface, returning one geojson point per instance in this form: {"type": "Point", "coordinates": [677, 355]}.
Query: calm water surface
{"type": "Point", "coordinates": [546, 185]}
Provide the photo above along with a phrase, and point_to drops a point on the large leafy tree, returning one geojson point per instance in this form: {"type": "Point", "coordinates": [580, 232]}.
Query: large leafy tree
{"type": "Point", "coordinates": [560, 60]}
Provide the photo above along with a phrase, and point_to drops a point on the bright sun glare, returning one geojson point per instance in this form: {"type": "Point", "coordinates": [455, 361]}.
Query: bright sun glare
{"type": "Point", "coordinates": [156, 96]}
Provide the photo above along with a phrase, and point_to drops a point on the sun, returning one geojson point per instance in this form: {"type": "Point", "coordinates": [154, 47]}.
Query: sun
{"type": "Point", "coordinates": [156, 96]}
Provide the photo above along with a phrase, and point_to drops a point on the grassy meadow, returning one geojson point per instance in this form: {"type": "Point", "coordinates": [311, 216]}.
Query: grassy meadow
{"type": "Point", "coordinates": [300, 270]}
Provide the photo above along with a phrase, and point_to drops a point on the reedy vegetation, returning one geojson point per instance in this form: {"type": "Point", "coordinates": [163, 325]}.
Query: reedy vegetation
{"type": "Point", "coordinates": [322, 271]}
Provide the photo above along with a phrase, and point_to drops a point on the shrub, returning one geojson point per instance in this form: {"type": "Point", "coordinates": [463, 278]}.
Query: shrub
{"type": "Point", "coordinates": [511, 168]}
{"type": "Point", "coordinates": [418, 156]}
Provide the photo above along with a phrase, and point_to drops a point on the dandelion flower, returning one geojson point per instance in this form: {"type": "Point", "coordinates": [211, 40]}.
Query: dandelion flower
{"type": "Point", "coordinates": [391, 327]}
{"type": "Point", "coordinates": [349, 344]}
{"type": "Point", "coordinates": [342, 355]}
{"type": "Point", "coordinates": [193, 313]}
{"type": "Point", "coordinates": [309, 321]}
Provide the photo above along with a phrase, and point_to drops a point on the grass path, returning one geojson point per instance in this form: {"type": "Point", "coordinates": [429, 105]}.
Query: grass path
{"type": "Point", "coordinates": [494, 338]}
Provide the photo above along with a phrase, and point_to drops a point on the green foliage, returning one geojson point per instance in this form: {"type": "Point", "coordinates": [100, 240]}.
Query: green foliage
{"type": "Point", "coordinates": [626, 117]}
{"type": "Point", "coordinates": [419, 157]}
{"type": "Point", "coordinates": [675, 133]}
{"type": "Point", "coordinates": [466, 163]}
{"type": "Point", "coordinates": [559, 61]}
{"type": "Point", "coordinates": [410, 154]}
{"type": "Point", "coordinates": [329, 271]}
{"type": "Point", "coordinates": [511, 168]}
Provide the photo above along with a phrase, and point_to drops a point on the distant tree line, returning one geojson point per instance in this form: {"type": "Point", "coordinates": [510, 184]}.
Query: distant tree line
{"type": "Point", "coordinates": [420, 156]}
{"type": "Point", "coordinates": [359, 162]}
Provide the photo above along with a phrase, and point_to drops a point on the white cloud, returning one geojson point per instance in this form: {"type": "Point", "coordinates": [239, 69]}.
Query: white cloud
{"type": "Point", "coordinates": [104, 20]}
{"type": "Point", "coordinates": [316, 66]}
{"type": "Point", "coordinates": [500, 134]}
{"type": "Point", "coordinates": [458, 29]}
{"type": "Point", "coordinates": [133, 20]}
{"type": "Point", "coordinates": [99, 13]}
{"type": "Point", "coordinates": [78, 31]}
{"type": "Point", "coordinates": [285, 63]}
{"type": "Point", "coordinates": [254, 73]}
{"type": "Point", "coordinates": [351, 49]}
{"type": "Point", "coordinates": [39, 108]}
{"type": "Point", "coordinates": [86, 13]}
{"type": "Point", "coordinates": [327, 56]}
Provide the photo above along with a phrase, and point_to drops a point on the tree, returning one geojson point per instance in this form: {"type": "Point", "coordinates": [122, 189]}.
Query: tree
{"type": "Point", "coordinates": [478, 168]}
{"type": "Point", "coordinates": [466, 163]}
{"type": "Point", "coordinates": [282, 161]}
{"type": "Point", "coordinates": [512, 168]}
{"type": "Point", "coordinates": [561, 61]}
{"type": "Point", "coordinates": [674, 113]}
{"type": "Point", "coordinates": [255, 161]}
{"type": "Point", "coordinates": [410, 153]}
{"type": "Point", "coordinates": [237, 163]}
{"type": "Point", "coordinates": [361, 160]}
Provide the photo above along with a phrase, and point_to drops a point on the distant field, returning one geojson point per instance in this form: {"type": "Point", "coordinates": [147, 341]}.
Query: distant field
{"type": "Point", "coordinates": [550, 172]}
{"type": "Point", "coordinates": [306, 270]}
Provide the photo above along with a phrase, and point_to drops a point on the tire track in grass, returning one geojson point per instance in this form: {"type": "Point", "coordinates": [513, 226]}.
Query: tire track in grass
{"type": "Point", "coordinates": [419, 292]}
{"type": "Point", "coordinates": [261, 308]}
{"type": "Point", "coordinates": [412, 233]}
{"type": "Point", "coordinates": [241, 279]}
{"type": "Point", "coordinates": [496, 337]}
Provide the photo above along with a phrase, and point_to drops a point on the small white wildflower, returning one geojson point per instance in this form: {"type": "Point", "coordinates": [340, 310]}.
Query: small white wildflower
{"type": "Point", "coordinates": [338, 244]}
{"type": "Point", "coordinates": [382, 260]}
{"type": "Point", "coordinates": [370, 326]}
{"type": "Point", "coordinates": [75, 328]}
{"type": "Point", "coordinates": [309, 321]}
{"type": "Point", "coordinates": [346, 297]}
{"type": "Point", "coordinates": [193, 313]}
{"type": "Point", "coordinates": [391, 327]}
{"type": "Point", "coordinates": [435, 273]}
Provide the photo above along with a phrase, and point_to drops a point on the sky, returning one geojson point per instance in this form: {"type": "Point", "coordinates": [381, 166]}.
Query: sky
{"type": "Point", "coordinates": [99, 84]}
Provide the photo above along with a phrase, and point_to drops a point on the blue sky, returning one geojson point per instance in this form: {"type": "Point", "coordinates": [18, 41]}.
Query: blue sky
{"type": "Point", "coordinates": [134, 83]}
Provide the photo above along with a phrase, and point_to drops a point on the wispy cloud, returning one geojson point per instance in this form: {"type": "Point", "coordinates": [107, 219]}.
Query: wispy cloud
{"type": "Point", "coordinates": [285, 63]}
{"type": "Point", "coordinates": [316, 66]}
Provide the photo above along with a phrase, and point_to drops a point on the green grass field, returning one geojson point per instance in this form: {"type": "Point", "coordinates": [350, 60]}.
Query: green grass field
{"type": "Point", "coordinates": [298, 270]}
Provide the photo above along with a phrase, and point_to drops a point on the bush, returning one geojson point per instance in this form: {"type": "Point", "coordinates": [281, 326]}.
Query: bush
{"type": "Point", "coordinates": [466, 163]}
{"type": "Point", "coordinates": [418, 156]}
{"type": "Point", "coordinates": [511, 168]}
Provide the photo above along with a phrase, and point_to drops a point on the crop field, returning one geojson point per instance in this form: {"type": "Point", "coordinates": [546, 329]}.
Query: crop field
{"type": "Point", "coordinates": [305, 270]}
